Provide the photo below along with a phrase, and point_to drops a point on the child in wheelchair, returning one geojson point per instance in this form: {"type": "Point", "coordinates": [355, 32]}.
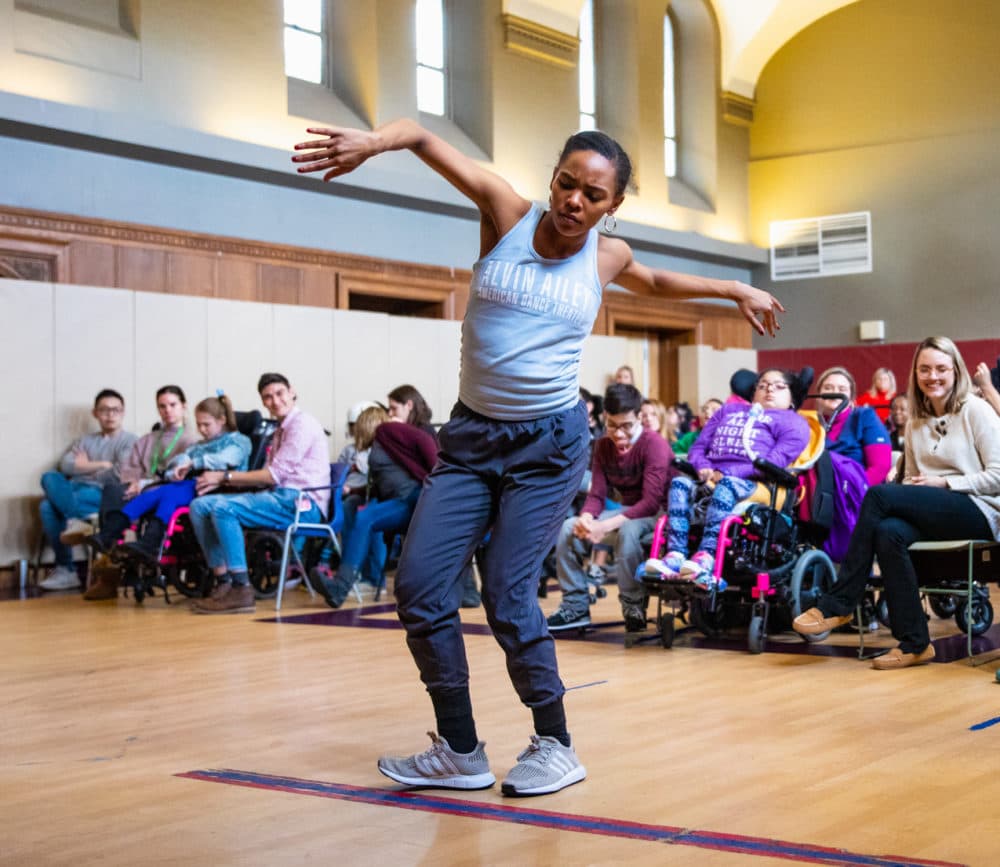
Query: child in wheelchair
{"type": "Point", "coordinates": [223, 447]}
{"type": "Point", "coordinates": [723, 457]}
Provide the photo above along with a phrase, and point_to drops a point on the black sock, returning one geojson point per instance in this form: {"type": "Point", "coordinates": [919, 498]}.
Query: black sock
{"type": "Point", "coordinates": [550, 721]}
{"type": "Point", "coordinates": [239, 579]}
{"type": "Point", "coordinates": [453, 711]}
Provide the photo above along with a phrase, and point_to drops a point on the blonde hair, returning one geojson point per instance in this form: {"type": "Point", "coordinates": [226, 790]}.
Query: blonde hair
{"type": "Point", "coordinates": [844, 372]}
{"type": "Point", "coordinates": [661, 414]}
{"type": "Point", "coordinates": [218, 407]}
{"type": "Point", "coordinates": [920, 406]}
{"type": "Point", "coordinates": [366, 425]}
{"type": "Point", "coordinates": [873, 391]}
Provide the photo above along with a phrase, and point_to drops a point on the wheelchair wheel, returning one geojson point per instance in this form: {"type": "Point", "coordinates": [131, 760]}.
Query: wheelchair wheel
{"type": "Point", "coordinates": [813, 574]}
{"type": "Point", "coordinates": [263, 563]}
{"type": "Point", "coordinates": [189, 579]}
{"type": "Point", "coordinates": [709, 623]}
{"type": "Point", "coordinates": [756, 638]}
{"type": "Point", "coordinates": [944, 607]}
{"type": "Point", "coordinates": [981, 613]}
{"type": "Point", "coordinates": [667, 630]}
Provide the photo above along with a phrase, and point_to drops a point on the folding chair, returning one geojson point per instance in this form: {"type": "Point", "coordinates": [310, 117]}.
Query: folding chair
{"type": "Point", "coordinates": [978, 560]}
{"type": "Point", "coordinates": [334, 524]}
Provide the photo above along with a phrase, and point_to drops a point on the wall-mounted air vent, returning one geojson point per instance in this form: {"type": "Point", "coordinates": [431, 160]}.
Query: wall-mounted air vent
{"type": "Point", "coordinates": [821, 246]}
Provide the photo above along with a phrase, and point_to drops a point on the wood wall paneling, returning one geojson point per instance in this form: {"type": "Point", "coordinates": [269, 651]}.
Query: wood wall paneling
{"type": "Point", "coordinates": [92, 263]}
{"type": "Point", "coordinates": [142, 269]}
{"type": "Point", "coordinates": [236, 279]}
{"type": "Point", "coordinates": [279, 284]}
{"type": "Point", "coordinates": [192, 274]}
{"type": "Point", "coordinates": [319, 287]}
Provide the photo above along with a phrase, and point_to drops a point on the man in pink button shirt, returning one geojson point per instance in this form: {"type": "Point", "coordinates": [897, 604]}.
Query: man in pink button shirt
{"type": "Point", "coordinates": [299, 458]}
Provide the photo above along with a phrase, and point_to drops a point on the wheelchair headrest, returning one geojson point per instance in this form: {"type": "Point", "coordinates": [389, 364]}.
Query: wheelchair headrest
{"type": "Point", "coordinates": [817, 441]}
{"type": "Point", "coordinates": [247, 422]}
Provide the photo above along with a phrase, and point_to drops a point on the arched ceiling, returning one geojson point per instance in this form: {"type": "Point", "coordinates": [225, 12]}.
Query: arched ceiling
{"type": "Point", "coordinates": [751, 31]}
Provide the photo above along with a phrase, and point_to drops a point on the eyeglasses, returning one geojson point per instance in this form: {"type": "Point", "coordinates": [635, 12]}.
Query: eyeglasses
{"type": "Point", "coordinates": [109, 410]}
{"type": "Point", "coordinates": [778, 385]}
{"type": "Point", "coordinates": [626, 427]}
{"type": "Point", "coordinates": [928, 372]}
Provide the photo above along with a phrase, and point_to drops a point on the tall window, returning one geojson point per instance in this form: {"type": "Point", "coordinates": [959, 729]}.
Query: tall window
{"type": "Point", "coordinates": [585, 65]}
{"type": "Point", "coordinates": [431, 71]}
{"type": "Point", "coordinates": [669, 100]}
{"type": "Point", "coordinates": [304, 51]}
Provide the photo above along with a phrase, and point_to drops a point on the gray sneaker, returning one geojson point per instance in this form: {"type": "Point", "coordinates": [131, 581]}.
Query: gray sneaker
{"type": "Point", "coordinates": [545, 766]}
{"type": "Point", "coordinates": [440, 767]}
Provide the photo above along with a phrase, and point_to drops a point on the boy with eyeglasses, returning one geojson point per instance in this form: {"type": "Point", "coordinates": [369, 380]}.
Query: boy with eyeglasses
{"type": "Point", "coordinates": [635, 463]}
{"type": "Point", "coordinates": [73, 491]}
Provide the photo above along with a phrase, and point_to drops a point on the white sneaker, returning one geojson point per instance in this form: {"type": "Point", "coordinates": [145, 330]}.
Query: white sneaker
{"type": "Point", "coordinates": [61, 578]}
{"type": "Point", "coordinates": [76, 532]}
{"type": "Point", "coordinates": [545, 766]}
{"type": "Point", "coordinates": [440, 767]}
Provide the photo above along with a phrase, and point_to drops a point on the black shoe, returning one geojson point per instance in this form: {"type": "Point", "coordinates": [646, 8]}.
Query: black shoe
{"type": "Point", "coordinates": [333, 590]}
{"type": "Point", "coordinates": [147, 546]}
{"type": "Point", "coordinates": [113, 526]}
{"type": "Point", "coordinates": [635, 623]}
{"type": "Point", "coordinates": [563, 619]}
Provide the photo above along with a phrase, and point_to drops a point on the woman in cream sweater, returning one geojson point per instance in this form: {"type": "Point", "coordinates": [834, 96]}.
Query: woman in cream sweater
{"type": "Point", "coordinates": [950, 490]}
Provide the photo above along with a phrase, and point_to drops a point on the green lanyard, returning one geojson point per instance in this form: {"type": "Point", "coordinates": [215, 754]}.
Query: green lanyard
{"type": "Point", "coordinates": [161, 455]}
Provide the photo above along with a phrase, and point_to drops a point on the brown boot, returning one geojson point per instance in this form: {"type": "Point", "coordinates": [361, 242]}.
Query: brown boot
{"type": "Point", "coordinates": [105, 577]}
{"type": "Point", "coordinates": [234, 599]}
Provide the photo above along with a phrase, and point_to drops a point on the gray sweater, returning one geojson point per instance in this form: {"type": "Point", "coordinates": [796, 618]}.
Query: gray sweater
{"type": "Point", "coordinates": [964, 448]}
{"type": "Point", "coordinates": [98, 447]}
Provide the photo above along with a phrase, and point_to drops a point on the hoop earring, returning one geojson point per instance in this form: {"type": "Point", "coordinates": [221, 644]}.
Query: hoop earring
{"type": "Point", "coordinates": [610, 223]}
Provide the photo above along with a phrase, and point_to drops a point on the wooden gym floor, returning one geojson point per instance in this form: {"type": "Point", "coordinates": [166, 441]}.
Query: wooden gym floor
{"type": "Point", "coordinates": [148, 735]}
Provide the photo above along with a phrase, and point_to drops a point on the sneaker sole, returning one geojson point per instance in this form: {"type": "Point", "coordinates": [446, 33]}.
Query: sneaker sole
{"type": "Point", "coordinates": [576, 775]}
{"type": "Point", "coordinates": [465, 781]}
{"type": "Point", "coordinates": [576, 624]}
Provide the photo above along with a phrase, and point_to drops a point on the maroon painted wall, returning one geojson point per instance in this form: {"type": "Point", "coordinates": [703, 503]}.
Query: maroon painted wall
{"type": "Point", "coordinates": [863, 361]}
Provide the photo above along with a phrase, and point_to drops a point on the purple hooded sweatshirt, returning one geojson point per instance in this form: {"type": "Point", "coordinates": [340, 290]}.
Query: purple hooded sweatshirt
{"type": "Point", "coordinates": [777, 435]}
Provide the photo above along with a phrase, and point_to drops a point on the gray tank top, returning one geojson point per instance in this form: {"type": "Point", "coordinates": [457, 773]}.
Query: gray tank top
{"type": "Point", "coordinates": [525, 325]}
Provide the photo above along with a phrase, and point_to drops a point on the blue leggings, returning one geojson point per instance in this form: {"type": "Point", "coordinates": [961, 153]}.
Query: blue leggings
{"type": "Point", "coordinates": [161, 500]}
{"type": "Point", "coordinates": [729, 490]}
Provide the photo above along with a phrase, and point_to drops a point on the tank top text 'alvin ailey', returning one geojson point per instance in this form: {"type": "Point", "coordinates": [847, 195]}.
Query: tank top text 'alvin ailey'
{"type": "Point", "coordinates": [524, 328]}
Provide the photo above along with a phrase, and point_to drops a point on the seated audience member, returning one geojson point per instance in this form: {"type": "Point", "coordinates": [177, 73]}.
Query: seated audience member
{"type": "Point", "coordinates": [406, 404]}
{"type": "Point", "coordinates": [299, 459]}
{"type": "Point", "coordinates": [355, 493]}
{"type": "Point", "coordinates": [653, 416]}
{"type": "Point", "coordinates": [988, 383]}
{"type": "Point", "coordinates": [723, 455]}
{"type": "Point", "coordinates": [951, 490]}
{"type": "Point", "coordinates": [625, 375]}
{"type": "Point", "coordinates": [881, 393]}
{"type": "Point", "coordinates": [860, 456]}
{"type": "Point", "coordinates": [684, 419]}
{"type": "Point", "coordinates": [223, 448]}
{"type": "Point", "coordinates": [357, 476]}
{"type": "Point", "coordinates": [741, 386]}
{"type": "Point", "coordinates": [401, 457]}
{"type": "Point", "coordinates": [708, 409]}
{"type": "Point", "coordinates": [634, 461]}
{"type": "Point", "coordinates": [148, 459]}
{"type": "Point", "coordinates": [899, 415]}
{"type": "Point", "coordinates": [73, 492]}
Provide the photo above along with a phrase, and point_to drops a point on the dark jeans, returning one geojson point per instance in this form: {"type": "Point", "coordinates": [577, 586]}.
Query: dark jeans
{"type": "Point", "coordinates": [514, 480]}
{"type": "Point", "coordinates": [892, 518]}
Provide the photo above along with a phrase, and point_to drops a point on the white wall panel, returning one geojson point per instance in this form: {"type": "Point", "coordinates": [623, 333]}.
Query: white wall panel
{"type": "Point", "coordinates": [94, 348]}
{"type": "Point", "coordinates": [170, 349]}
{"type": "Point", "coordinates": [303, 351]}
{"type": "Point", "coordinates": [361, 368]}
{"type": "Point", "coordinates": [27, 413]}
{"type": "Point", "coordinates": [419, 350]}
{"type": "Point", "coordinates": [239, 347]}
{"type": "Point", "coordinates": [602, 356]}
